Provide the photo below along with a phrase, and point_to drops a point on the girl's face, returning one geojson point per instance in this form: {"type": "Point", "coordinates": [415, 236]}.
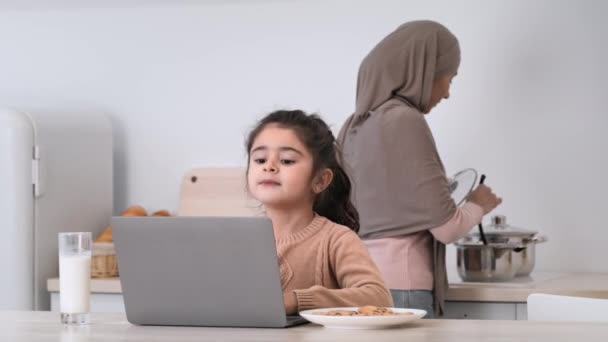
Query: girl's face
{"type": "Point", "coordinates": [441, 90]}
{"type": "Point", "coordinates": [280, 169]}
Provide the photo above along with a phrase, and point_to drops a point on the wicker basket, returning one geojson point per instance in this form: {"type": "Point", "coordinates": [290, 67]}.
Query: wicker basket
{"type": "Point", "coordinates": [103, 261]}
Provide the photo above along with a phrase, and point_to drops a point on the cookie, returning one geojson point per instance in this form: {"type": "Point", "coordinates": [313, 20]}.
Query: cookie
{"type": "Point", "coordinates": [368, 310]}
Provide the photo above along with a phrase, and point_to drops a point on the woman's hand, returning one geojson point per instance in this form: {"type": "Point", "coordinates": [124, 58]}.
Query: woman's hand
{"type": "Point", "coordinates": [485, 198]}
{"type": "Point", "coordinates": [291, 302]}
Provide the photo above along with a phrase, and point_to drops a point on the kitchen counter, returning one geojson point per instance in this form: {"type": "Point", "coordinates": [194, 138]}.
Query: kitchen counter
{"type": "Point", "coordinates": [572, 284]}
{"type": "Point", "coordinates": [593, 285]}
{"type": "Point", "coordinates": [30, 326]}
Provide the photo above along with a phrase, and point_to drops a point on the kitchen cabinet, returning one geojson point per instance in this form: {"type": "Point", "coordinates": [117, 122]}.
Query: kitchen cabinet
{"type": "Point", "coordinates": [113, 302]}
{"type": "Point", "coordinates": [100, 302]}
{"type": "Point", "coordinates": [492, 301]}
{"type": "Point", "coordinates": [481, 310]}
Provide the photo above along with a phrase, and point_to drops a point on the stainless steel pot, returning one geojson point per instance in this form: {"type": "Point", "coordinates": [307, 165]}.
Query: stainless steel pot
{"type": "Point", "coordinates": [510, 252]}
{"type": "Point", "coordinates": [492, 262]}
{"type": "Point", "coordinates": [528, 255]}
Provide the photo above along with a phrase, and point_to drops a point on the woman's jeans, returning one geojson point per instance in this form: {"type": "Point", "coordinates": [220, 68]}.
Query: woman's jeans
{"type": "Point", "coordinates": [414, 299]}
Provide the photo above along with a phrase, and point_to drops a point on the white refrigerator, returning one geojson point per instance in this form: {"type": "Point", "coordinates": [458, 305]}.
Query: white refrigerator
{"type": "Point", "coordinates": [55, 176]}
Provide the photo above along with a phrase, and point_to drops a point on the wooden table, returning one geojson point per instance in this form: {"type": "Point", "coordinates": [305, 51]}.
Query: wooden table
{"type": "Point", "coordinates": [34, 326]}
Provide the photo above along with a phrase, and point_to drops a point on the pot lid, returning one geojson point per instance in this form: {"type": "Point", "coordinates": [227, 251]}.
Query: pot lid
{"type": "Point", "coordinates": [499, 227]}
{"type": "Point", "coordinates": [461, 185]}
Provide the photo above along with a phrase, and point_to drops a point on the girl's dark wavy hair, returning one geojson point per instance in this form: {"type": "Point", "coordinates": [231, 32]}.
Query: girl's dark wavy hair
{"type": "Point", "coordinates": [334, 202]}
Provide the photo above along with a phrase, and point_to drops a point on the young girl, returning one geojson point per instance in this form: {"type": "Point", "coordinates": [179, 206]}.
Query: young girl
{"type": "Point", "coordinates": [293, 171]}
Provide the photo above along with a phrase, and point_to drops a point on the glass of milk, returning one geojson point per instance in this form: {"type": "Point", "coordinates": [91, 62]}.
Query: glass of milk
{"type": "Point", "coordinates": [74, 277]}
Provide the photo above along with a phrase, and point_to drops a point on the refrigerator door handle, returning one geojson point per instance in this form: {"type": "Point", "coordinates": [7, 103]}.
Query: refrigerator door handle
{"type": "Point", "coordinates": [38, 173]}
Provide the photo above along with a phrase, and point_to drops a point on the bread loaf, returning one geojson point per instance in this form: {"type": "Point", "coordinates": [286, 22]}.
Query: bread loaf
{"type": "Point", "coordinates": [136, 210]}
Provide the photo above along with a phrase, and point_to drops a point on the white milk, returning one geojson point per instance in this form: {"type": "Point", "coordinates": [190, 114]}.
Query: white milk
{"type": "Point", "coordinates": [74, 283]}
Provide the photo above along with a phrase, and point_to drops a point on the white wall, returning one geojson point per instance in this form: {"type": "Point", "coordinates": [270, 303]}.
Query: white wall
{"type": "Point", "coordinates": [184, 80]}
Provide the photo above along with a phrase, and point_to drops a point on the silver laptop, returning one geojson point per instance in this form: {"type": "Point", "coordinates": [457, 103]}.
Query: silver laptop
{"type": "Point", "coordinates": [200, 271]}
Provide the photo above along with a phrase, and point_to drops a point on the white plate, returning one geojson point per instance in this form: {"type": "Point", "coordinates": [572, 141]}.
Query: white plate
{"type": "Point", "coordinates": [361, 322]}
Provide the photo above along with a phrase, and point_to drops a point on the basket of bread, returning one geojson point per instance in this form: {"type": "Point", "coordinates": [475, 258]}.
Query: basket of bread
{"type": "Point", "coordinates": [103, 260]}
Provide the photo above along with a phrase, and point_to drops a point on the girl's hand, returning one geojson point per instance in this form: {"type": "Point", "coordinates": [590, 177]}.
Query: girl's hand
{"type": "Point", "coordinates": [485, 198]}
{"type": "Point", "coordinates": [291, 303]}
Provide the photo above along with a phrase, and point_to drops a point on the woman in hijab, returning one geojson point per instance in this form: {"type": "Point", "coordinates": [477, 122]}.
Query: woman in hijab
{"type": "Point", "coordinates": [400, 186]}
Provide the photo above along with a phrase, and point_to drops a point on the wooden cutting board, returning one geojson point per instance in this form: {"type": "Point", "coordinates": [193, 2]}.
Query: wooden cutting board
{"type": "Point", "coordinates": [219, 191]}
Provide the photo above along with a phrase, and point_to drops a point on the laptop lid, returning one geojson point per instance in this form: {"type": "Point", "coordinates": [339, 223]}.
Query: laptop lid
{"type": "Point", "coordinates": [199, 271]}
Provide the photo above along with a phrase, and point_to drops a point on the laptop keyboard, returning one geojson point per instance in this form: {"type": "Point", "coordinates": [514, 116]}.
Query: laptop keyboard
{"type": "Point", "coordinates": [291, 319]}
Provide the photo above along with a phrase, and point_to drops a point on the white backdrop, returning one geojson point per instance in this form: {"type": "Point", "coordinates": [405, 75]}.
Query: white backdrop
{"type": "Point", "coordinates": [183, 81]}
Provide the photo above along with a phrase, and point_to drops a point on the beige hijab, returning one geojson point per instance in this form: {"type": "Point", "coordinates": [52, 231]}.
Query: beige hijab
{"type": "Point", "coordinates": [400, 186]}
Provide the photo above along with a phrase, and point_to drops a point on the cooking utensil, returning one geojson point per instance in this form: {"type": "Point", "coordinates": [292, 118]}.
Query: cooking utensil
{"type": "Point", "coordinates": [510, 252]}
{"type": "Point", "coordinates": [494, 262]}
{"type": "Point", "coordinates": [483, 236]}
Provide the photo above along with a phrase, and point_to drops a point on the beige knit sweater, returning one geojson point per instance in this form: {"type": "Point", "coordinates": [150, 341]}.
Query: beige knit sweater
{"type": "Point", "coordinates": [327, 265]}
